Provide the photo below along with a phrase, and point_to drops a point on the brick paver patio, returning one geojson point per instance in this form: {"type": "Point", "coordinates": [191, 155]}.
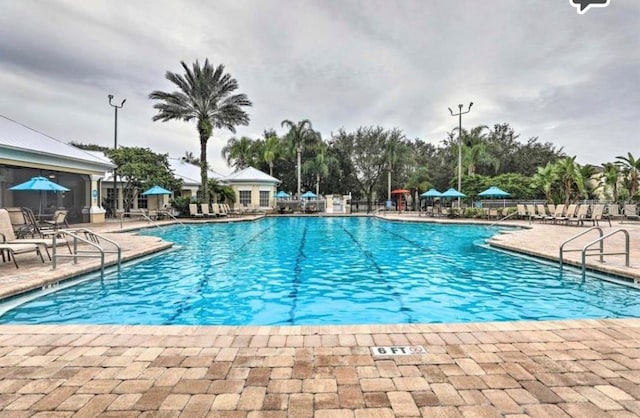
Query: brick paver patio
{"type": "Point", "coordinates": [573, 368]}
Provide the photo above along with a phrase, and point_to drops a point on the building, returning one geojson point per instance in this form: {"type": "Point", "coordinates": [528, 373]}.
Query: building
{"type": "Point", "coordinates": [253, 188]}
{"type": "Point", "coordinates": [27, 153]}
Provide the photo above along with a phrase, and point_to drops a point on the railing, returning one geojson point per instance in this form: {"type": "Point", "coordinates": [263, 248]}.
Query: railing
{"type": "Point", "coordinates": [90, 238]}
{"type": "Point", "coordinates": [502, 219]}
{"type": "Point", "coordinates": [562, 250]}
{"type": "Point", "coordinates": [601, 253]}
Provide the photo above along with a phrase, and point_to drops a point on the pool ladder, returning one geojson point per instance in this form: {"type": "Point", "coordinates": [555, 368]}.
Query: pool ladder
{"type": "Point", "coordinates": [90, 238]}
{"type": "Point", "coordinates": [600, 251]}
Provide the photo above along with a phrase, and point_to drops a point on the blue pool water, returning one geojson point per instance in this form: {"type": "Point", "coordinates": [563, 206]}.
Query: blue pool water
{"type": "Point", "coordinates": [281, 271]}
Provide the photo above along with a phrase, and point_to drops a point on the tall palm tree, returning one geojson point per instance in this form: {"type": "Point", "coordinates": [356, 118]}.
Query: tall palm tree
{"type": "Point", "coordinates": [611, 177]}
{"type": "Point", "coordinates": [476, 150]}
{"type": "Point", "coordinates": [391, 156]}
{"type": "Point", "coordinates": [239, 153]}
{"type": "Point", "coordinates": [631, 170]}
{"type": "Point", "coordinates": [298, 134]}
{"type": "Point", "coordinates": [319, 165]}
{"type": "Point", "coordinates": [204, 94]}
{"type": "Point", "coordinates": [270, 150]}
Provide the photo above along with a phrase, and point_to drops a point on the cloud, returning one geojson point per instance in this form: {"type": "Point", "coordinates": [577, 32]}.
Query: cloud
{"type": "Point", "coordinates": [567, 78]}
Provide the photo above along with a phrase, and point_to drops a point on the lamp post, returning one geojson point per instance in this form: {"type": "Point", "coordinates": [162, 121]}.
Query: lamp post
{"type": "Point", "coordinates": [459, 115]}
{"type": "Point", "coordinates": [115, 146]}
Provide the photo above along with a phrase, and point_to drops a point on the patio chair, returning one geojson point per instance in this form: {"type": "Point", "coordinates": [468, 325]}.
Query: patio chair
{"type": "Point", "coordinates": [579, 215]}
{"type": "Point", "coordinates": [193, 211]}
{"type": "Point", "coordinates": [9, 251]}
{"type": "Point", "coordinates": [204, 207]}
{"type": "Point", "coordinates": [630, 212]}
{"type": "Point", "coordinates": [59, 220]}
{"type": "Point", "coordinates": [543, 214]}
{"type": "Point", "coordinates": [522, 211]}
{"type": "Point", "coordinates": [219, 210]}
{"type": "Point", "coordinates": [569, 213]}
{"type": "Point", "coordinates": [7, 236]}
{"type": "Point", "coordinates": [597, 215]}
{"type": "Point", "coordinates": [613, 212]}
{"type": "Point", "coordinates": [531, 212]}
{"type": "Point", "coordinates": [558, 213]}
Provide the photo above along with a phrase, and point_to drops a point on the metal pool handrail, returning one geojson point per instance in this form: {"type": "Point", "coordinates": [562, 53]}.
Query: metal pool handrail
{"type": "Point", "coordinates": [601, 253]}
{"type": "Point", "coordinates": [92, 239]}
{"type": "Point", "coordinates": [562, 250]}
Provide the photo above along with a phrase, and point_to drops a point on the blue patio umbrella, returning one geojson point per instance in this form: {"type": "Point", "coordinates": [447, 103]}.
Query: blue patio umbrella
{"type": "Point", "coordinates": [282, 195]}
{"type": "Point", "coordinates": [39, 184]}
{"type": "Point", "coordinates": [453, 193]}
{"type": "Point", "coordinates": [431, 193]}
{"type": "Point", "coordinates": [156, 191]}
{"type": "Point", "coordinates": [494, 191]}
{"type": "Point", "coordinates": [309, 195]}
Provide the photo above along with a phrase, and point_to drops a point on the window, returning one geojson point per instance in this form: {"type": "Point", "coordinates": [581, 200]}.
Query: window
{"type": "Point", "coordinates": [264, 199]}
{"type": "Point", "coordinates": [142, 202]}
{"type": "Point", "coordinates": [245, 197]}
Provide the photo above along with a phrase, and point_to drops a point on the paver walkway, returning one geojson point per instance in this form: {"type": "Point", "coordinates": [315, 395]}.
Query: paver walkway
{"type": "Point", "coordinates": [578, 369]}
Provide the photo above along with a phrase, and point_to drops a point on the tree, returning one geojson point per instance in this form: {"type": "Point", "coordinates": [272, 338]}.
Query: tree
{"type": "Point", "coordinates": [544, 179]}
{"type": "Point", "coordinates": [188, 157]}
{"type": "Point", "coordinates": [611, 178]}
{"type": "Point", "coordinates": [631, 171]}
{"type": "Point", "coordinates": [140, 169]}
{"type": "Point", "coordinates": [298, 134]}
{"type": "Point", "coordinates": [476, 150]}
{"type": "Point", "coordinates": [271, 150]}
{"type": "Point", "coordinates": [570, 178]}
{"type": "Point", "coordinates": [204, 94]}
{"type": "Point", "coordinates": [366, 148]}
{"type": "Point", "coordinates": [319, 164]}
{"type": "Point", "coordinates": [239, 153]}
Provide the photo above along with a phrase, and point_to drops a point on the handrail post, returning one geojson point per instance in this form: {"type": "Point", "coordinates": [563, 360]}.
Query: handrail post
{"type": "Point", "coordinates": [75, 249]}
{"type": "Point", "coordinates": [53, 253]}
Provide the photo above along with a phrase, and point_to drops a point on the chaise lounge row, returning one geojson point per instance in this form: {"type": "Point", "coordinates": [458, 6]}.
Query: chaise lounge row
{"type": "Point", "coordinates": [576, 213]}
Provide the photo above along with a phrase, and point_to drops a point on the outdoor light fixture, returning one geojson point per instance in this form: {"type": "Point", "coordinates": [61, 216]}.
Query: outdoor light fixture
{"type": "Point", "coordinates": [459, 115]}
{"type": "Point", "coordinates": [115, 146]}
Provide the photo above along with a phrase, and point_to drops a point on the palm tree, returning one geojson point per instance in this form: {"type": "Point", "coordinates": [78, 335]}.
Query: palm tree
{"type": "Point", "coordinates": [391, 156]}
{"type": "Point", "coordinates": [570, 177]}
{"type": "Point", "coordinates": [475, 150]}
{"type": "Point", "coordinates": [631, 170]}
{"type": "Point", "coordinates": [204, 94]}
{"type": "Point", "coordinates": [239, 153]}
{"type": "Point", "coordinates": [270, 150]}
{"type": "Point", "coordinates": [298, 134]}
{"type": "Point", "coordinates": [611, 177]}
{"type": "Point", "coordinates": [319, 165]}
{"type": "Point", "coordinates": [544, 178]}
{"type": "Point", "coordinates": [190, 158]}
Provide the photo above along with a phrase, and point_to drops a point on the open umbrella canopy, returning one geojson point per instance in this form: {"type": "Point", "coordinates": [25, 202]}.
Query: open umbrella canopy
{"type": "Point", "coordinates": [282, 194]}
{"type": "Point", "coordinates": [40, 184]}
{"type": "Point", "coordinates": [156, 190]}
{"type": "Point", "coordinates": [453, 193]}
{"type": "Point", "coordinates": [494, 191]}
{"type": "Point", "coordinates": [431, 193]}
{"type": "Point", "coordinates": [400, 191]}
{"type": "Point", "coordinates": [309, 195]}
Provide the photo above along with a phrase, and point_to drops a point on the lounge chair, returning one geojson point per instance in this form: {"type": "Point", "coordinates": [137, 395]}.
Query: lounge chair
{"type": "Point", "coordinates": [579, 215]}
{"type": "Point", "coordinates": [522, 211]}
{"type": "Point", "coordinates": [551, 208]}
{"type": "Point", "coordinates": [218, 210]}
{"type": "Point", "coordinates": [531, 212]}
{"type": "Point", "coordinates": [597, 215]}
{"type": "Point", "coordinates": [558, 213]}
{"type": "Point", "coordinates": [542, 212]}
{"type": "Point", "coordinates": [613, 212]}
{"type": "Point", "coordinates": [193, 211]}
{"type": "Point", "coordinates": [204, 207]}
{"type": "Point", "coordinates": [7, 236]}
{"type": "Point", "coordinates": [569, 213]}
{"type": "Point", "coordinates": [630, 213]}
{"type": "Point", "coordinates": [9, 251]}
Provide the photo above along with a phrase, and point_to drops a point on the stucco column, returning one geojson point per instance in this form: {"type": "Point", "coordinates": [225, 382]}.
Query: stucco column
{"type": "Point", "coordinates": [96, 211]}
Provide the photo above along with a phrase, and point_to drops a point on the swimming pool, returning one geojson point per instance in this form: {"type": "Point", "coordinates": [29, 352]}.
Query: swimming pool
{"type": "Point", "coordinates": [283, 271]}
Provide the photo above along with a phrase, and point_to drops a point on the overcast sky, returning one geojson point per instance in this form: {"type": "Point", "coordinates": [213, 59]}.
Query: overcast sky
{"type": "Point", "coordinates": [538, 65]}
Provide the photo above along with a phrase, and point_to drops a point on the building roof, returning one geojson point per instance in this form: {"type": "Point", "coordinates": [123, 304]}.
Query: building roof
{"type": "Point", "coordinates": [24, 144]}
{"type": "Point", "coordinates": [249, 175]}
{"type": "Point", "coordinates": [190, 173]}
